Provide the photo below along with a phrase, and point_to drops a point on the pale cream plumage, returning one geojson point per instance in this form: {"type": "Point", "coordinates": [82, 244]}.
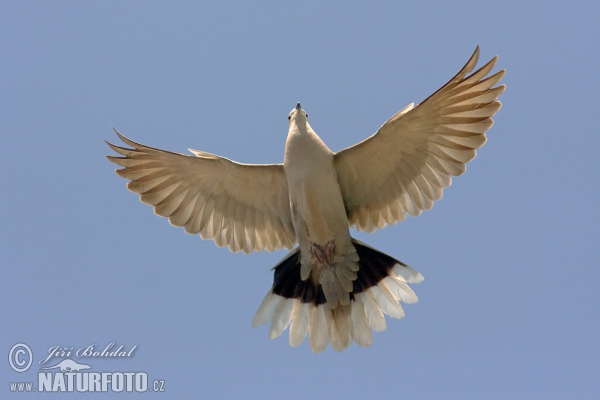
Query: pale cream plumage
{"type": "Point", "coordinates": [242, 206]}
{"type": "Point", "coordinates": [324, 289]}
{"type": "Point", "coordinates": [403, 168]}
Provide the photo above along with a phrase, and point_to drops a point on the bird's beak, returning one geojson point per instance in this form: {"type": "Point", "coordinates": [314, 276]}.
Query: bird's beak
{"type": "Point", "coordinates": [298, 107]}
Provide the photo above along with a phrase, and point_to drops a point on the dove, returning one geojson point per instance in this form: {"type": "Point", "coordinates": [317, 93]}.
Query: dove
{"type": "Point", "coordinates": [331, 287]}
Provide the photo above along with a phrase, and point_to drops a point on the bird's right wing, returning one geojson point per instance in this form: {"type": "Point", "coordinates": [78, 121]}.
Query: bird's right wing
{"type": "Point", "coordinates": [242, 206]}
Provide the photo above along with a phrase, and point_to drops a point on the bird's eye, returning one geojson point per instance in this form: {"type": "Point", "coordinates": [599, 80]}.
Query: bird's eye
{"type": "Point", "coordinates": [289, 117]}
{"type": "Point", "coordinates": [306, 115]}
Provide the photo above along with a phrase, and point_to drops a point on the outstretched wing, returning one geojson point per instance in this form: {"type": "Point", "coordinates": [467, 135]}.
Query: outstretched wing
{"type": "Point", "coordinates": [242, 206]}
{"type": "Point", "coordinates": [404, 166]}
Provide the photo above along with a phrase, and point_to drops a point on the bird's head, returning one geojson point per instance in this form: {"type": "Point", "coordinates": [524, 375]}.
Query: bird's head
{"type": "Point", "coordinates": [298, 116]}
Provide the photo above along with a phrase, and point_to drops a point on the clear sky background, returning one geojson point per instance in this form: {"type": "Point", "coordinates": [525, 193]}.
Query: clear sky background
{"type": "Point", "coordinates": [509, 307]}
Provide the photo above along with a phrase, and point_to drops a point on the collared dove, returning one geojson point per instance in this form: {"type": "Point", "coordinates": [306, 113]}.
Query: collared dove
{"type": "Point", "coordinates": [332, 287]}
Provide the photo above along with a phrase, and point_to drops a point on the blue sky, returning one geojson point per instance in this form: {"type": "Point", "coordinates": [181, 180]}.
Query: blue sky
{"type": "Point", "coordinates": [509, 307]}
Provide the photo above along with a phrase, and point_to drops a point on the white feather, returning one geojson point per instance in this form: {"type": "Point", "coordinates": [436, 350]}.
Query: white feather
{"type": "Point", "coordinates": [265, 311]}
{"type": "Point", "coordinates": [401, 290]}
{"type": "Point", "coordinates": [299, 326]}
{"type": "Point", "coordinates": [361, 332]}
{"type": "Point", "coordinates": [334, 335]}
{"type": "Point", "coordinates": [407, 274]}
{"type": "Point", "coordinates": [318, 332]}
{"type": "Point", "coordinates": [373, 312]}
{"type": "Point", "coordinates": [281, 317]}
{"type": "Point", "coordinates": [386, 300]}
{"type": "Point", "coordinates": [343, 324]}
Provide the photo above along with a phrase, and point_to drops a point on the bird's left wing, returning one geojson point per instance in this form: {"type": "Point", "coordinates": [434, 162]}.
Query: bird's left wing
{"type": "Point", "coordinates": [242, 206]}
{"type": "Point", "coordinates": [404, 166]}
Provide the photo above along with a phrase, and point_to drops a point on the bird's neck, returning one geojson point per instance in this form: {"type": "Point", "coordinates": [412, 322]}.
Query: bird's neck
{"type": "Point", "coordinates": [304, 145]}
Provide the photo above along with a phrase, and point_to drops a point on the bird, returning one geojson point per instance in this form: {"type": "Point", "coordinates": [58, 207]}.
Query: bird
{"type": "Point", "coordinates": [332, 287]}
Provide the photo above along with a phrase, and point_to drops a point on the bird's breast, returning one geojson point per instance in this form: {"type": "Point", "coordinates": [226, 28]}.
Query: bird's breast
{"type": "Point", "coordinates": [315, 194]}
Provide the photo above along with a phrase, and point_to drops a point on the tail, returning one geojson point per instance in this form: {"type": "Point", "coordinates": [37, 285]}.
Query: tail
{"type": "Point", "coordinates": [380, 284]}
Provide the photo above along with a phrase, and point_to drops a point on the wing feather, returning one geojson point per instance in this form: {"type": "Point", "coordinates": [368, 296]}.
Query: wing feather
{"type": "Point", "coordinates": [242, 206]}
{"type": "Point", "coordinates": [403, 168]}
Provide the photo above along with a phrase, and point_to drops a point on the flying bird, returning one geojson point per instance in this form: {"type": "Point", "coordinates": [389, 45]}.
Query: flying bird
{"type": "Point", "coordinates": [332, 287]}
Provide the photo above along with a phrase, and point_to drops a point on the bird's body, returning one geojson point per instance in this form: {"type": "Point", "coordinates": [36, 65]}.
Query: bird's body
{"type": "Point", "coordinates": [331, 287]}
{"type": "Point", "coordinates": [318, 212]}
{"type": "Point", "coordinates": [309, 180]}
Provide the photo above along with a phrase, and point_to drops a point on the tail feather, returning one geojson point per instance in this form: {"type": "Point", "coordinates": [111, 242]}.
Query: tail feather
{"type": "Point", "coordinates": [340, 326]}
{"type": "Point", "coordinates": [317, 328]}
{"type": "Point", "coordinates": [373, 312]}
{"type": "Point", "coordinates": [361, 331]}
{"type": "Point", "coordinates": [266, 309]}
{"type": "Point", "coordinates": [386, 300]}
{"type": "Point", "coordinates": [281, 317]}
{"type": "Point", "coordinates": [334, 335]}
{"type": "Point", "coordinates": [343, 322]}
{"type": "Point", "coordinates": [401, 290]}
{"type": "Point", "coordinates": [380, 284]}
{"type": "Point", "coordinates": [299, 324]}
